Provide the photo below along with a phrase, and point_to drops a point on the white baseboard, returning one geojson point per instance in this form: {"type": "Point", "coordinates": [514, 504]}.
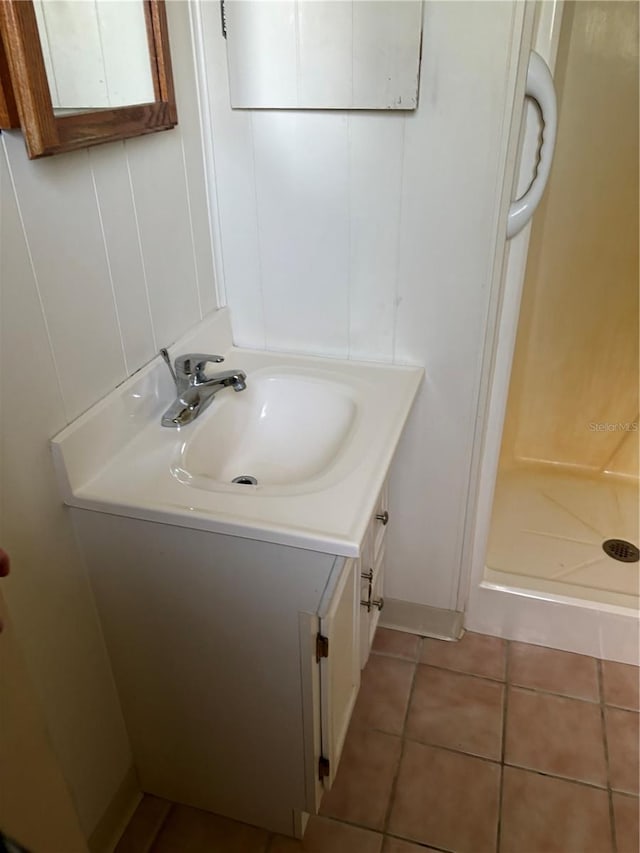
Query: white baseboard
{"type": "Point", "coordinates": [573, 625]}
{"type": "Point", "coordinates": [422, 619]}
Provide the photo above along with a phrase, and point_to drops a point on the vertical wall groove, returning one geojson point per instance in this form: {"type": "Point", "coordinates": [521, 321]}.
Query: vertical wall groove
{"type": "Point", "coordinates": [106, 255]}
{"type": "Point", "coordinates": [34, 274]}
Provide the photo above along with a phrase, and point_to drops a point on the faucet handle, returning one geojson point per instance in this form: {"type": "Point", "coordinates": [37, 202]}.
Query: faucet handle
{"type": "Point", "coordinates": [164, 352]}
{"type": "Point", "coordinates": [191, 365]}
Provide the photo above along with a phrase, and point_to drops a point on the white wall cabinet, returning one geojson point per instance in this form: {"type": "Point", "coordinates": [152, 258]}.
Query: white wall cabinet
{"type": "Point", "coordinates": [293, 54]}
{"type": "Point", "coordinates": [237, 661]}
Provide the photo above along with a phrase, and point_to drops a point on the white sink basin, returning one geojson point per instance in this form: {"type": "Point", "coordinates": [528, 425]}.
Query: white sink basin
{"type": "Point", "coordinates": [318, 435]}
{"type": "Point", "coordinates": [284, 429]}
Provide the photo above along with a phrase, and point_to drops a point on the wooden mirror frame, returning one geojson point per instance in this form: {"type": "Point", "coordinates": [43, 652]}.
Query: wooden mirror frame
{"type": "Point", "coordinates": [28, 88]}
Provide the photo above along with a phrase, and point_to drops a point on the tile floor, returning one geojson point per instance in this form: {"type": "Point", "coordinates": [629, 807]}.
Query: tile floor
{"type": "Point", "coordinates": [475, 746]}
{"type": "Point", "coordinates": [548, 526]}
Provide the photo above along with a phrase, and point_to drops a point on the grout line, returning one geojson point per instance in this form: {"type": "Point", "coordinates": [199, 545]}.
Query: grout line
{"type": "Point", "coordinates": [485, 758]}
{"type": "Point", "coordinates": [552, 693]}
{"type": "Point", "coordinates": [403, 740]}
{"type": "Point", "coordinates": [502, 681]}
{"type": "Point", "coordinates": [612, 823]}
{"type": "Point", "coordinates": [461, 672]}
{"type": "Point", "coordinates": [394, 657]}
{"type": "Point", "coordinates": [592, 785]}
{"type": "Point", "coordinates": [503, 741]}
{"type": "Point", "coordinates": [420, 844]}
{"type": "Point", "coordinates": [346, 822]}
{"type": "Point", "coordinates": [433, 745]}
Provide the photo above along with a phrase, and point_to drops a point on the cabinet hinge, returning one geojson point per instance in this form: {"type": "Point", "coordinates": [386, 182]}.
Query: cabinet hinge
{"type": "Point", "coordinates": [324, 767]}
{"type": "Point", "coordinates": [223, 18]}
{"type": "Point", "coordinates": [322, 647]}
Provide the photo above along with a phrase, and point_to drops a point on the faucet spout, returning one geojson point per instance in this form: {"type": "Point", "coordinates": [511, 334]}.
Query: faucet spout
{"type": "Point", "coordinates": [237, 379]}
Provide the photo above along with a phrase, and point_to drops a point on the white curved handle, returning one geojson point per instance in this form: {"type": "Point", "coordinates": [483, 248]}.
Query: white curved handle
{"type": "Point", "coordinates": [540, 88]}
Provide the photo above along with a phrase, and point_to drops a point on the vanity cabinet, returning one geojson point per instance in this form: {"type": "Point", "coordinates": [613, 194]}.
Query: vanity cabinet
{"type": "Point", "coordinates": [238, 617]}
{"type": "Point", "coordinates": [237, 661]}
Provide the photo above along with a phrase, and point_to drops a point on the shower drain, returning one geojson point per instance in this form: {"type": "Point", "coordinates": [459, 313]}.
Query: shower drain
{"type": "Point", "coordinates": [621, 550]}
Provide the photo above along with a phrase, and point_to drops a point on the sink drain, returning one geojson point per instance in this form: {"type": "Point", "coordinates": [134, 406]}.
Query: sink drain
{"type": "Point", "coordinates": [621, 550]}
{"type": "Point", "coordinates": [245, 480]}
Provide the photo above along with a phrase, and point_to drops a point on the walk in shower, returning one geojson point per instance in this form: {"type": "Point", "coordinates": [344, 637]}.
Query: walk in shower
{"type": "Point", "coordinates": [568, 474]}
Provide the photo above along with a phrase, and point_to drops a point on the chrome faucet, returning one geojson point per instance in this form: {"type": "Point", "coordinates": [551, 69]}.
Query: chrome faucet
{"type": "Point", "coordinates": [194, 389]}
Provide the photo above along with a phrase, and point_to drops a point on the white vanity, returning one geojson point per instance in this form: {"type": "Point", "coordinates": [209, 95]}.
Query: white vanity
{"type": "Point", "coordinates": [238, 617]}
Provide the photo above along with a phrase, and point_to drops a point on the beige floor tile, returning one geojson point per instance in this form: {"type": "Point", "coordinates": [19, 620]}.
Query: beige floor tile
{"type": "Point", "coordinates": [541, 814]}
{"type": "Point", "coordinates": [396, 643]}
{"type": "Point", "coordinates": [188, 830]}
{"type": "Point", "coordinates": [621, 685]}
{"type": "Point", "coordinates": [384, 694]}
{"type": "Point", "coordinates": [396, 845]}
{"type": "Point", "coordinates": [626, 815]}
{"type": "Point", "coordinates": [555, 735]}
{"type": "Point", "coordinates": [623, 745]}
{"type": "Point", "coordinates": [474, 653]}
{"type": "Point", "coordinates": [144, 825]}
{"type": "Point", "coordinates": [361, 791]}
{"type": "Point", "coordinates": [550, 669]}
{"type": "Point", "coordinates": [328, 836]}
{"type": "Point", "coordinates": [455, 710]}
{"type": "Point", "coordinates": [446, 799]}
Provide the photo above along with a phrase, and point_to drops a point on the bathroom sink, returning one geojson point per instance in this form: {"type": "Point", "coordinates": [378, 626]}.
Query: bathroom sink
{"type": "Point", "coordinates": [284, 429]}
{"type": "Point", "coordinates": [317, 434]}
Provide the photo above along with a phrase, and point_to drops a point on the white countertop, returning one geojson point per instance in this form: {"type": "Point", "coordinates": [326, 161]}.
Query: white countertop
{"type": "Point", "coordinates": [116, 458]}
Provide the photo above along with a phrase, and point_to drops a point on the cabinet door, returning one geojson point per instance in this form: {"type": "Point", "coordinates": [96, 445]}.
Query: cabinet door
{"type": "Point", "coordinates": [340, 669]}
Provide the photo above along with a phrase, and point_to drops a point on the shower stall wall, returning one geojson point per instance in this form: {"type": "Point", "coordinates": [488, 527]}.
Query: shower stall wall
{"type": "Point", "coordinates": [567, 477]}
{"type": "Point", "coordinates": [568, 472]}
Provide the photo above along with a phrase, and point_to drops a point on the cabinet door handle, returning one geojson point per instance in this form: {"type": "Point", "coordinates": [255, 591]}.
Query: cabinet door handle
{"type": "Point", "coordinates": [375, 602]}
{"type": "Point", "coordinates": [383, 517]}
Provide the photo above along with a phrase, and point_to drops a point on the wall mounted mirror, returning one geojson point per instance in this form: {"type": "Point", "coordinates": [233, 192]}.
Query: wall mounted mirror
{"type": "Point", "coordinates": [85, 73]}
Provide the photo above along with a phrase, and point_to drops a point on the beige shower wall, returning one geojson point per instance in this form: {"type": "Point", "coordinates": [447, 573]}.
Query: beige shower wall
{"type": "Point", "coordinates": [574, 389]}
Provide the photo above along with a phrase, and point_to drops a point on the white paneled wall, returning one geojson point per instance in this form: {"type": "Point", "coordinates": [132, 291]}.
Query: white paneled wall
{"type": "Point", "coordinates": [372, 235]}
{"type": "Point", "coordinates": [105, 256]}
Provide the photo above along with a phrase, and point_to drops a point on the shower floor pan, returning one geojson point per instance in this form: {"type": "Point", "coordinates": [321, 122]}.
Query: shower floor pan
{"type": "Point", "coordinates": [548, 529]}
